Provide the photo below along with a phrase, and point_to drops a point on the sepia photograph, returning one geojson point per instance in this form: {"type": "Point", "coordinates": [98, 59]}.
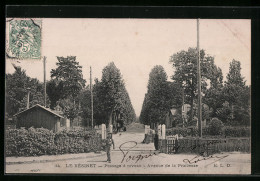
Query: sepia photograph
{"type": "Point", "coordinates": [127, 96]}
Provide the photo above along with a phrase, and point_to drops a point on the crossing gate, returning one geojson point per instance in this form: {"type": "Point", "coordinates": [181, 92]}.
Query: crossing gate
{"type": "Point", "coordinates": [171, 144]}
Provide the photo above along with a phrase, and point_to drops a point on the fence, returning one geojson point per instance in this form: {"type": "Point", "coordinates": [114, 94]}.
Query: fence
{"type": "Point", "coordinates": [205, 146]}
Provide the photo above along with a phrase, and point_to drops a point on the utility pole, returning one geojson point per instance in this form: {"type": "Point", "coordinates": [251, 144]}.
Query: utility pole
{"type": "Point", "coordinates": [91, 95]}
{"type": "Point", "coordinates": [28, 98]}
{"type": "Point", "coordinates": [199, 82]}
{"type": "Point", "coordinates": [182, 111]}
{"type": "Point", "coordinates": [44, 79]}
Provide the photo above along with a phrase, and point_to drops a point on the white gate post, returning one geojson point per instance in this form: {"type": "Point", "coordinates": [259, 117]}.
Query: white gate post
{"type": "Point", "coordinates": [163, 131]}
{"type": "Point", "coordinates": [111, 128]}
{"type": "Point", "coordinates": [145, 129]}
{"type": "Point", "coordinates": [104, 131]}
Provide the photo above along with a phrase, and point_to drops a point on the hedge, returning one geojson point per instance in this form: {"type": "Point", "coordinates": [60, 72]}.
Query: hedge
{"type": "Point", "coordinates": [191, 145]}
{"type": "Point", "coordinates": [227, 131]}
{"type": "Point", "coordinates": [40, 141]}
{"type": "Point", "coordinates": [236, 131]}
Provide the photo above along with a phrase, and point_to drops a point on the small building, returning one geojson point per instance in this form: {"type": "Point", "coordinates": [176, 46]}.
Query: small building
{"type": "Point", "coordinates": [176, 114]}
{"type": "Point", "coordinates": [40, 117]}
{"type": "Point", "coordinates": [185, 109]}
{"type": "Point", "coordinates": [170, 117]}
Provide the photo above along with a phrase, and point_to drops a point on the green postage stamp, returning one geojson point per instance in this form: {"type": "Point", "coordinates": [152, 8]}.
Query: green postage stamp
{"type": "Point", "coordinates": [24, 38]}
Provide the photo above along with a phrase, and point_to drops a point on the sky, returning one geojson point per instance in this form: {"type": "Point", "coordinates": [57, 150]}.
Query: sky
{"type": "Point", "coordinates": [137, 45]}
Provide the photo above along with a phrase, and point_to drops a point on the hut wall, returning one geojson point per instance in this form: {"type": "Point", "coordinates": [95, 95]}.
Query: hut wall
{"type": "Point", "coordinates": [38, 118]}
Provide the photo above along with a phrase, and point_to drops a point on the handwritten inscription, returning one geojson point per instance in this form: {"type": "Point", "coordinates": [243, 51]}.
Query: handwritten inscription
{"type": "Point", "coordinates": [198, 158]}
{"type": "Point", "coordinates": [128, 157]}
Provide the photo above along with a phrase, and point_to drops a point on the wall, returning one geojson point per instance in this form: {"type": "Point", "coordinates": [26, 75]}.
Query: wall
{"type": "Point", "coordinates": [38, 118]}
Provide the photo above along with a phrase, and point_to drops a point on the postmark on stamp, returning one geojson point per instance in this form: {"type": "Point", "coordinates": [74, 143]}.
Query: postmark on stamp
{"type": "Point", "coordinates": [24, 39]}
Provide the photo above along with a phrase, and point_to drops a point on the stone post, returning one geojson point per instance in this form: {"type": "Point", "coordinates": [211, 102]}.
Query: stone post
{"type": "Point", "coordinates": [163, 132]}
{"type": "Point", "coordinates": [104, 131]}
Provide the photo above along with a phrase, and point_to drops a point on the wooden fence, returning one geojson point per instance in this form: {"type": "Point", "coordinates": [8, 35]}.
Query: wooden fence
{"type": "Point", "coordinates": [205, 146]}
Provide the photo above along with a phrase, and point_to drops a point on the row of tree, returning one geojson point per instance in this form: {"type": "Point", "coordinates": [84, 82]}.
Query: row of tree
{"type": "Point", "coordinates": [67, 89]}
{"type": "Point", "coordinates": [112, 104]}
{"type": "Point", "coordinates": [228, 101]}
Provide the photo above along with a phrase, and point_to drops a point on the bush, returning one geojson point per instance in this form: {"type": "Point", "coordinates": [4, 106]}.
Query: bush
{"type": "Point", "coordinates": [31, 142]}
{"type": "Point", "coordinates": [215, 127]}
{"type": "Point", "coordinates": [197, 145]}
{"type": "Point", "coordinates": [40, 141]}
{"type": "Point", "coordinates": [186, 131]}
{"type": "Point", "coordinates": [236, 131]}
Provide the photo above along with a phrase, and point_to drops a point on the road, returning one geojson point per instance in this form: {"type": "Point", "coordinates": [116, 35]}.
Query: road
{"type": "Point", "coordinates": [137, 158]}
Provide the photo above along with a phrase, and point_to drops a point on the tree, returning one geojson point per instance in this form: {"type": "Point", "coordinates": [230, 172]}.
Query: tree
{"type": "Point", "coordinates": [185, 72]}
{"type": "Point", "coordinates": [54, 92]}
{"type": "Point", "coordinates": [99, 115]}
{"type": "Point", "coordinates": [213, 95]}
{"type": "Point", "coordinates": [237, 94]}
{"type": "Point", "coordinates": [159, 99]}
{"type": "Point", "coordinates": [69, 74]}
{"type": "Point", "coordinates": [67, 82]}
{"type": "Point", "coordinates": [17, 86]}
{"type": "Point", "coordinates": [116, 102]}
{"type": "Point", "coordinates": [70, 109]}
{"type": "Point", "coordinates": [111, 102]}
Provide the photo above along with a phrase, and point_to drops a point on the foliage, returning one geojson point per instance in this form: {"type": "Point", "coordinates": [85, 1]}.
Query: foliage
{"type": "Point", "coordinates": [185, 72]}
{"type": "Point", "coordinates": [191, 131]}
{"type": "Point", "coordinates": [70, 108]}
{"type": "Point", "coordinates": [40, 141]}
{"type": "Point", "coordinates": [69, 74]}
{"type": "Point", "coordinates": [227, 131]}
{"type": "Point", "coordinates": [17, 86]}
{"type": "Point", "coordinates": [54, 91]}
{"type": "Point", "coordinates": [161, 95]}
{"type": "Point", "coordinates": [196, 145]}
{"type": "Point", "coordinates": [31, 142]}
{"type": "Point", "coordinates": [232, 131]}
{"type": "Point", "coordinates": [225, 112]}
{"type": "Point", "coordinates": [237, 94]}
{"type": "Point", "coordinates": [66, 84]}
{"type": "Point", "coordinates": [116, 103]}
{"type": "Point", "coordinates": [215, 126]}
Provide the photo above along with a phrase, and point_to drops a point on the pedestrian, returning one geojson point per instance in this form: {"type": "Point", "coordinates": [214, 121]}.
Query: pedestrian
{"type": "Point", "coordinates": [156, 140]}
{"type": "Point", "coordinates": [109, 142]}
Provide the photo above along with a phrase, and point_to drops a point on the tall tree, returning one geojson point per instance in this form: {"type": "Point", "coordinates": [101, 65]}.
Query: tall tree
{"type": "Point", "coordinates": [185, 72]}
{"type": "Point", "coordinates": [237, 94]}
{"type": "Point", "coordinates": [67, 81]}
{"type": "Point", "coordinates": [69, 73]}
{"type": "Point", "coordinates": [116, 101]}
{"type": "Point", "coordinates": [158, 99]}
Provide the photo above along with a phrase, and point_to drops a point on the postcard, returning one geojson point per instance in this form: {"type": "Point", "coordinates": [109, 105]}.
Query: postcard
{"type": "Point", "coordinates": [127, 96]}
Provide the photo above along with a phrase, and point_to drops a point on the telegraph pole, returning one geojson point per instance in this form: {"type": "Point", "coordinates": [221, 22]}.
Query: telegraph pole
{"type": "Point", "coordinates": [199, 82]}
{"type": "Point", "coordinates": [28, 98]}
{"type": "Point", "coordinates": [182, 111]}
{"type": "Point", "coordinates": [91, 94]}
{"type": "Point", "coordinates": [44, 79]}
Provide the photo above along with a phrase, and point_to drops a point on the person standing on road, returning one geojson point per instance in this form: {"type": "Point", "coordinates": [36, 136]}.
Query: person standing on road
{"type": "Point", "coordinates": [156, 140]}
{"type": "Point", "coordinates": [109, 142]}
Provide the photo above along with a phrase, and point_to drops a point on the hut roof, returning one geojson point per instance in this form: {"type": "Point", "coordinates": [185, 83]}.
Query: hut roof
{"type": "Point", "coordinates": [42, 107]}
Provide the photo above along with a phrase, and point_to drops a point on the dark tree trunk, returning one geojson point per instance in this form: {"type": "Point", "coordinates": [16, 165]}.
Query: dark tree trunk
{"type": "Point", "coordinates": [71, 123]}
{"type": "Point", "coordinates": [191, 108]}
